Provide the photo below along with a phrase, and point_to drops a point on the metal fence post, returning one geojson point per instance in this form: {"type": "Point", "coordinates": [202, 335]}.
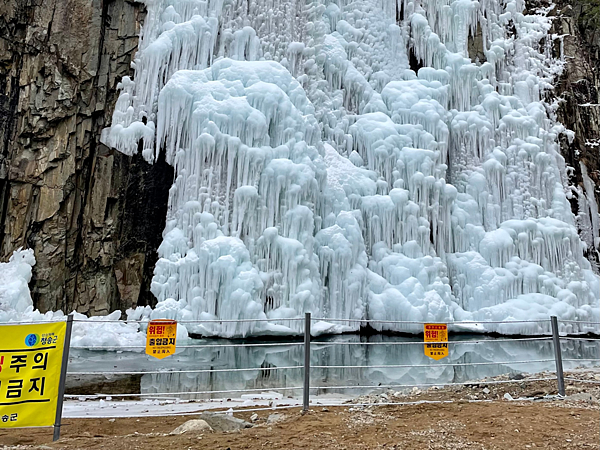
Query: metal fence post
{"type": "Point", "coordinates": [558, 356]}
{"type": "Point", "coordinates": [63, 377]}
{"type": "Point", "coordinates": [306, 392]}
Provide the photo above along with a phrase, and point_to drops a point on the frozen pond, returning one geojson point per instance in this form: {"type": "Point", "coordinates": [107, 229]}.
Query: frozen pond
{"type": "Point", "coordinates": [217, 365]}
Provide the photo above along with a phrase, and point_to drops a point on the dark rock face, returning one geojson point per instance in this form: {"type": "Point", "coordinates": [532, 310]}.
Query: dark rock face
{"type": "Point", "coordinates": [579, 108]}
{"type": "Point", "coordinates": [93, 216]}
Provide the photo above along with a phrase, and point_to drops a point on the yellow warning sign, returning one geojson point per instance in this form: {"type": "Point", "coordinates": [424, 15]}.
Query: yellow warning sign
{"type": "Point", "coordinates": [160, 338]}
{"type": "Point", "coordinates": [436, 340]}
{"type": "Point", "coordinates": [30, 364]}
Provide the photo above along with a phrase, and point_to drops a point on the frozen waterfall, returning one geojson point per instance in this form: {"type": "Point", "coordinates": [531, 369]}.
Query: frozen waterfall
{"type": "Point", "coordinates": [352, 159]}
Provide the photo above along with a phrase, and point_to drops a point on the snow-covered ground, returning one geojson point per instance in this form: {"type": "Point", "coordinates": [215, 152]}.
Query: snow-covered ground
{"type": "Point", "coordinates": [127, 408]}
{"type": "Point", "coordinates": [529, 387]}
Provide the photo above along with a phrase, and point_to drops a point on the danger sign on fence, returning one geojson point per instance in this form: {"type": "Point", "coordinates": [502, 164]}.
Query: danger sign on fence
{"type": "Point", "coordinates": [161, 337]}
{"type": "Point", "coordinates": [31, 357]}
{"type": "Point", "coordinates": [436, 340]}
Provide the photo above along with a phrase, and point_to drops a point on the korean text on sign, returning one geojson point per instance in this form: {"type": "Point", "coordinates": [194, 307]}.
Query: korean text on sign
{"type": "Point", "coordinates": [436, 340]}
{"type": "Point", "coordinates": [161, 337]}
{"type": "Point", "coordinates": [30, 364]}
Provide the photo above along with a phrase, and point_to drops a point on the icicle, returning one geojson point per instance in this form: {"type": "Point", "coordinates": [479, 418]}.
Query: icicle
{"type": "Point", "coordinates": [349, 159]}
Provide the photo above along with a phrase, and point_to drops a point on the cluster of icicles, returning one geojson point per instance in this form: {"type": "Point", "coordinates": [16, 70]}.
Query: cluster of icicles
{"type": "Point", "coordinates": [352, 159]}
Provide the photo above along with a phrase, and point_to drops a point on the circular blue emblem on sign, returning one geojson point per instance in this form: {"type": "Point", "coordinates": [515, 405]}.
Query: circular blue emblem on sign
{"type": "Point", "coordinates": [31, 340]}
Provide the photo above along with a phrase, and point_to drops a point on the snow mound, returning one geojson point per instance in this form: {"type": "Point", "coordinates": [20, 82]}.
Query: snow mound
{"type": "Point", "coordinates": [15, 276]}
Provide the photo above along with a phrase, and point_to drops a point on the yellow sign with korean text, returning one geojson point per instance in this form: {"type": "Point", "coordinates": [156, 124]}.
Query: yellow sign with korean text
{"type": "Point", "coordinates": [30, 364]}
{"type": "Point", "coordinates": [436, 340]}
{"type": "Point", "coordinates": [160, 338]}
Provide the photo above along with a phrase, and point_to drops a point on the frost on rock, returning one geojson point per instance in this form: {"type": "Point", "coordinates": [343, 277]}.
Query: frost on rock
{"type": "Point", "coordinates": [352, 159]}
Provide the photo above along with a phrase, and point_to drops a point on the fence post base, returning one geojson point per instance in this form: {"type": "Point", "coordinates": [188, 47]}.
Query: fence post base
{"type": "Point", "coordinates": [560, 378]}
{"type": "Point", "coordinates": [306, 391]}
{"type": "Point", "coordinates": [63, 378]}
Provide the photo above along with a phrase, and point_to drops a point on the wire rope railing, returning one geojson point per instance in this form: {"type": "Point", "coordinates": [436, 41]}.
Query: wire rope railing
{"type": "Point", "coordinates": [308, 368]}
{"type": "Point", "coordinates": [256, 344]}
{"type": "Point", "coordinates": [371, 366]}
{"type": "Point", "coordinates": [582, 338]}
{"type": "Point", "coordinates": [464, 383]}
{"type": "Point", "coordinates": [94, 320]}
{"type": "Point", "coordinates": [587, 322]}
{"type": "Point", "coordinates": [412, 322]}
{"type": "Point", "coordinates": [166, 372]}
{"type": "Point", "coordinates": [582, 359]}
{"type": "Point", "coordinates": [399, 366]}
{"type": "Point", "coordinates": [323, 344]}
{"type": "Point", "coordinates": [460, 342]}
{"type": "Point", "coordinates": [298, 344]}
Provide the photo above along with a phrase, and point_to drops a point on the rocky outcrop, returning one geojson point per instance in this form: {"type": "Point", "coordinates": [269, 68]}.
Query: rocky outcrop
{"type": "Point", "coordinates": [93, 216]}
{"type": "Point", "coordinates": [576, 27]}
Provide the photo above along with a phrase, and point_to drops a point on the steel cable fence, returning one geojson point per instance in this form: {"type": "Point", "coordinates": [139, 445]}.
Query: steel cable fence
{"type": "Point", "coordinates": [307, 367]}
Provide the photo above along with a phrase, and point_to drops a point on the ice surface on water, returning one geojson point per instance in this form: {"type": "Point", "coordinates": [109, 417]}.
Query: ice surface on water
{"type": "Point", "coordinates": [467, 361]}
{"type": "Point", "coordinates": [350, 159]}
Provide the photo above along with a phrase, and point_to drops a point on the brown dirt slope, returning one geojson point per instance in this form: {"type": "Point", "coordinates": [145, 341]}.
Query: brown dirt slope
{"type": "Point", "coordinates": [458, 425]}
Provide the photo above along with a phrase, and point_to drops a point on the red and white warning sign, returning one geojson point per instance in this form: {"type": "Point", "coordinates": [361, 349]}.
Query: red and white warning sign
{"type": "Point", "coordinates": [436, 340]}
{"type": "Point", "coordinates": [160, 338]}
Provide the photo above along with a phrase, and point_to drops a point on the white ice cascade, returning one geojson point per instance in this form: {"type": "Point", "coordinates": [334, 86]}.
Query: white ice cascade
{"type": "Point", "coordinates": [349, 158]}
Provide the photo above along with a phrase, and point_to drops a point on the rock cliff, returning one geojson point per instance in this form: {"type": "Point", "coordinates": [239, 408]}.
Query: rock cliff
{"type": "Point", "coordinates": [93, 216]}
{"type": "Point", "coordinates": [577, 27]}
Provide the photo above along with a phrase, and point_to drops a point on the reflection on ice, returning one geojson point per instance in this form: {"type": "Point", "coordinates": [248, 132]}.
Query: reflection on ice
{"type": "Point", "coordinates": [228, 368]}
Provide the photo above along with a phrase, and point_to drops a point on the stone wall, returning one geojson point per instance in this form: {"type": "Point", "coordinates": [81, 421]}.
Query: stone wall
{"type": "Point", "coordinates": [93, 216]}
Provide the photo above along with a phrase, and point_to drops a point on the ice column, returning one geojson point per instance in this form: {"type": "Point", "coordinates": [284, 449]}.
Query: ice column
{"type": "Point", "coordinates": [373, 160]}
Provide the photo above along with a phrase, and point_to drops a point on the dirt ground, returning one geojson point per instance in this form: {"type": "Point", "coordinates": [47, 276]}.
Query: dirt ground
{"type": "Point", "coordinates": [465, 423]}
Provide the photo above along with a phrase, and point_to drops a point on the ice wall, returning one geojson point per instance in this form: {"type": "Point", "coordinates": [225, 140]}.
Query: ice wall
{"type": "Point", "coordinates": [349, 158]}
